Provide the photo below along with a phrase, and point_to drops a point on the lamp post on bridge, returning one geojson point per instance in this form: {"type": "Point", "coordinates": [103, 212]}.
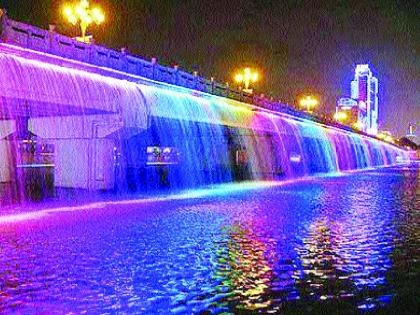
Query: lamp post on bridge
{"type": "Point", "coordinates": [308, 103]}
{"type": "Point", "coordinates": [340, 116]}
{"type": "Point", "coordinates": [246, 77]}
{"type": "Point", "coordinates": [84, 15]}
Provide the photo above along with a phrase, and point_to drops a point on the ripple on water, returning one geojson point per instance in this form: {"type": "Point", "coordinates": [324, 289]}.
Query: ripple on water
{"type": "Point", "coordinates": [345, 242]}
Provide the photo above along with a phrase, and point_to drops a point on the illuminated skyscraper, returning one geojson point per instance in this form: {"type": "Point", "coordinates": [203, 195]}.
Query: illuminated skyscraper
{"type": "Point", "coordinates": [411, 131]}
{"type": "Point", "coordinates": [364, 89]}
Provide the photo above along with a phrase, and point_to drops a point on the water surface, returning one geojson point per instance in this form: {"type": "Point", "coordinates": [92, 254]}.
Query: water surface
{"type": "Point", "coordinates": [348, 244]}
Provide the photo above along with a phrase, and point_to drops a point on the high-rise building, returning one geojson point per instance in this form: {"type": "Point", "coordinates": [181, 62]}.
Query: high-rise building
{"type": "Point", "coordinates": [364, 90]}
{"type": "Point", "coordinates": [361, 110]}
{"type": "Point", "coordinates": [411, 131]}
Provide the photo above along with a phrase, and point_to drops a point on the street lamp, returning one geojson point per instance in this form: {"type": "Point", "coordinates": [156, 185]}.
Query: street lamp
{"type": "Point", "coordinates": [386, 136]}
{"type": "Point", "coordinates": [246, 77]}
{"type": "Point", "coordinates": [340, 116]}
{"type": "Point", "coordinates": [358, 125]}
{"type": "Point", "coordinates": [84, 15]}
{"type": "Point", "coordinates": [309, 103]}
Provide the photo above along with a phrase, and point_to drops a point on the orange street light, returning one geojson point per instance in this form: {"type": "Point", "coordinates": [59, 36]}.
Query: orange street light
{"type": "Point", "coordinates": [84, 15]}
{"type": "Point", "coordinates": [309, 103]}
{"type": "Point", "coordinates": [358, 125]}
{"type": "Point", "coordinates": [386, 136]}
{"type": "Point", "coordinates": [340, 116]}
{"type": "Point", "coordinates": [246, 77]}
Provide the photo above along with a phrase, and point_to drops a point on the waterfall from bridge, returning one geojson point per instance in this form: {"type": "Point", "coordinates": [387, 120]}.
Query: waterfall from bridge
{"type": "Point", "coordinates": [65, 130]}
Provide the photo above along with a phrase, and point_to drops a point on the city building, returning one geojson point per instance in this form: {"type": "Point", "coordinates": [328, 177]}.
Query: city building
{"type": "Point", "coordinates": [411, 132]}
{"type": "Point", "coordinates": [364, 101]}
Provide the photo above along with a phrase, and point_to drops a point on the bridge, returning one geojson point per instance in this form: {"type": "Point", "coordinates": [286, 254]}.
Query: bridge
{"type": "Point", "coordinates": [50, 42]}
{"type": "Point", "coordinates": [98, 119]}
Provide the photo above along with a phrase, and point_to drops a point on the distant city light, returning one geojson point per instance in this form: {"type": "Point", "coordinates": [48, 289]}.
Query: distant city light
{"type": "Point", "coordinates": [346, 103]}
{"type": "Point", "coordinates": [411, 131]}
{"type": "Point", "coordinates": [389, 139]}
{"type": "Point", "coordinates": [386, 136]}
{"type": "Point", "coordinates": [340, 116]}
{"type": "Point", "coordinates": [358, 125]}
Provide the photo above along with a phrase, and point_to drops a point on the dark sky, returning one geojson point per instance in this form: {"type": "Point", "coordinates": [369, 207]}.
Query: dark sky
{"type": "Point", "coordinates": [299, 46]}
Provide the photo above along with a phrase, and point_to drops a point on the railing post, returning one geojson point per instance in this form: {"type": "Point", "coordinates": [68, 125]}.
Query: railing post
{"type": "Point", "coordinates": [91, 54]}
{"type": "Point", "coordinates": [176, 75]}
{"type": "Point", "coordinates": [51, 37]}
{"type": "Point", "coordinates": [123, 56]}
{"type": "Point", "coordinates": [195, 73]}
{"type": "Point", "coordinates": [154, 62]}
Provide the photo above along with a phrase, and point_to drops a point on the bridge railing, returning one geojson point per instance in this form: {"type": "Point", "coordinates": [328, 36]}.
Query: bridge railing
{"type": "Point", "coordinates": [30, 37]}
{"type": "Point", "coordinates": [49, 41]}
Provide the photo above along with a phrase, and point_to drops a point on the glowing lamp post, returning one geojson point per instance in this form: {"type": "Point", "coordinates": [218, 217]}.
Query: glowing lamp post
{"type": "Point", "coordinates": [340, 116]}
{"type": "Point", "coordinates": [84, 15]}
{"type": "Point", "coordinates": [309, 103]}
{"type": "Point", "coordinates": [386, 136]}
{"type": "Point", "coordinates": [245, 78]}
{"type": "Point", "coordinates": [358, 126]}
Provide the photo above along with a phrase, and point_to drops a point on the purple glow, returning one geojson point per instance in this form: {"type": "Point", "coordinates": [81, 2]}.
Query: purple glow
{"type": "Point", "coordinates": [100, 125]}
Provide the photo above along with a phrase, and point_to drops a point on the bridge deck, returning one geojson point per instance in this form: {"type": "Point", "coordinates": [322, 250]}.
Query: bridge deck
{"type": "Point", "coordinates": [15, 35]}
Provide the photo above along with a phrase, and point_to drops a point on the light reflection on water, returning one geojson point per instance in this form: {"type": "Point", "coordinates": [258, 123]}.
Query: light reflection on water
{"type": "Point", "coordinates": [348, 243]}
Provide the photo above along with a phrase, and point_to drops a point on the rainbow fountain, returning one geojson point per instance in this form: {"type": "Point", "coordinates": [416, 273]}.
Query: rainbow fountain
{"type": "Point", "coordinates": [83, 118]}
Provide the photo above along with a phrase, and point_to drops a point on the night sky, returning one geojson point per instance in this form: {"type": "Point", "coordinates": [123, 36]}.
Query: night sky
{"type": "Point", "coordinates": [299, 46]}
